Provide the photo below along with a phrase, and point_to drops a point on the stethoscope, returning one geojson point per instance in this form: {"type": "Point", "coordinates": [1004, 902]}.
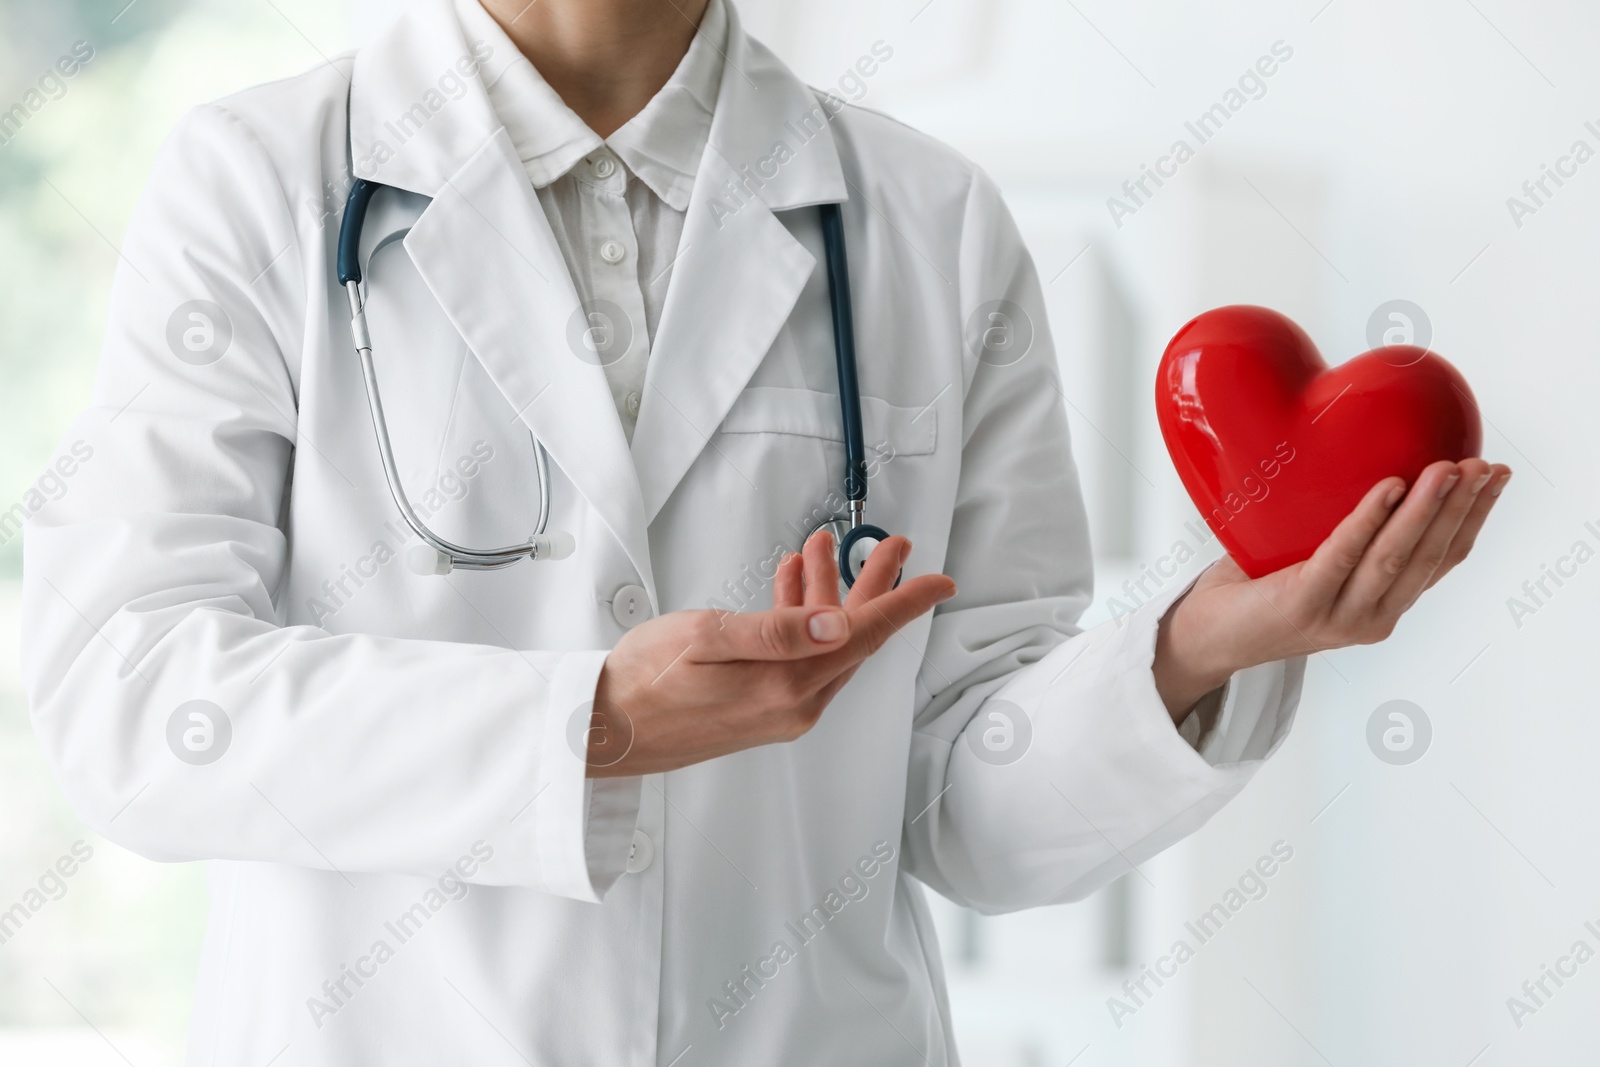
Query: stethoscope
{"type": "Point", "coordinates": [435, 555]}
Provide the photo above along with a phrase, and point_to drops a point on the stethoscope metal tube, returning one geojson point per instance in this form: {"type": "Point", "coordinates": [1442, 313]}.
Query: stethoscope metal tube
{"type": "Point", "coordinates": [435, 555]}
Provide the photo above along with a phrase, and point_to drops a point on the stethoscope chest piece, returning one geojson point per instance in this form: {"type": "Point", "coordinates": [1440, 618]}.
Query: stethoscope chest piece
{"type": "Point", "coordinates": [855, 547]}
{"type": "Point", "coordinates": [855, 544]}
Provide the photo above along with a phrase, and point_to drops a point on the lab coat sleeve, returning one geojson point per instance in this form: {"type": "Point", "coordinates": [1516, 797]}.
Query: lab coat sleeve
{"type": "Point", "coordinates": [1043, 762]}
{"type": "Point", "coordinates": [150, 585]}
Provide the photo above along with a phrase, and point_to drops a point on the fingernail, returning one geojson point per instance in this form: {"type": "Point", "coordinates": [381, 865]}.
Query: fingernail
{"type": "Point", "coordinates": [1449, 484]}
{"type": "Point", "coordinates": [951, 595]}
{"type": "Point", "coordinates": [1499, 484]}
{"type": "Point", "coordinates": [905, 552]}
{"type": "Point", "coordinates": [826, 627]}
{"type": "Point", "coordinates": [1394, 496]}
{"type": "Point", "coordinates": [1483, 480]}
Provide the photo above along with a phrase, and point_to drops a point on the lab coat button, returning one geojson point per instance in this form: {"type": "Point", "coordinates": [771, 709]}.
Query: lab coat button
{"type": "Point", "coordinates": [630, 606]}
{"type": "Point", "coordinates": [604, 167]}
{"type": "Point", "coordinates": [642, 853]}
{"type": "Point", "coordinates": [631, 403]}
{"type": "Point", "coordinates": [613, 252]}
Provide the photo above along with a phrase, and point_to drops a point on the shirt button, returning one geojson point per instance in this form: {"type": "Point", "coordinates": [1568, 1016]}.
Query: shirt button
{"type": "Point", "coordinates": [642, 854]}
{"type": "Point", "coordinates": [630, 606]}
{"type": "Point", "coordinates": [604, 167]}
{"type": "Point", "coordinates": [631, 403]}
{"type": "Point", "coordinates": [613, 252]}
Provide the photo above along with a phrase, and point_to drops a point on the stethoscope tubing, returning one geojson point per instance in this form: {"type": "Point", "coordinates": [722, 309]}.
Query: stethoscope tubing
{"type": "Point", "coordinates": [844, 350]}
{"type": "Point", "coordinates": [460, 557]}
{"type": "Point", "coordinates": [452, 556]}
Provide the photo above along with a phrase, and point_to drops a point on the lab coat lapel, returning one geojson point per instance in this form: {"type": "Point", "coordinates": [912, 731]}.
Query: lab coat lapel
{"type": "Point", "coordinates": [421, 120]}
{"type": "Point", "coordinates": [486, 251]}
{"type": "Point", "coordinates": [739, 270]}
{"type": "Point", "coordinates": [732, 289]}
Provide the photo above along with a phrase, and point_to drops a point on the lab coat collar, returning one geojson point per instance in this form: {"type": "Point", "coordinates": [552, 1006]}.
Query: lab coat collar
{"type": "Point", "coordinates": [418, 107]}
{"type": "Point", "coordinates": [762, 105]}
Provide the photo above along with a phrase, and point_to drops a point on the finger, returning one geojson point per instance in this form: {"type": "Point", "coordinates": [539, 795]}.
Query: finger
{"type": "Point", "coordinates": [880, 572]}
{"type": "Point", "coordinates": [1392, 550]}
{"type": "Point", "coordinates": [1434, 544]}
{"type": "Point", "coordinates": [787, 633]}
{"type": "Point", "coordinates": [821, 569]}
{"type": "Point", "coordinates": [1331, 565]}
{"type": "Point", "coordinates": [1467, 535]}
{"type": "Point", "coordinates": [788, 585]}
{"type": "Point", "coordinates": [875, 621]}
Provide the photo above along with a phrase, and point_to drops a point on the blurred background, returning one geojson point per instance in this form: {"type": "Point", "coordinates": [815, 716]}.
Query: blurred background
{"type": "Point", "coordinates": [1425, 885]}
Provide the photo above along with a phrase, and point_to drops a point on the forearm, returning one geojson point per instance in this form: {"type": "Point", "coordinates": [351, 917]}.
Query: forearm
{"type": "Point", "coordinates": [1043, 788]}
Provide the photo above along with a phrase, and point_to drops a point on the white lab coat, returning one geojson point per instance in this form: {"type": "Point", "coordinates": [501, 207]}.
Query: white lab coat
{"type": "Point", "coordinates": [407, 864]}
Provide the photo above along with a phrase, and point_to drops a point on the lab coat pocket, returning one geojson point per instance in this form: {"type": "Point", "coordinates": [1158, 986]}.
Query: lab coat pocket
{"type": "Point", "coordinates": [797, 437]}
{"type": "Point", "coordinates": [888, 428]}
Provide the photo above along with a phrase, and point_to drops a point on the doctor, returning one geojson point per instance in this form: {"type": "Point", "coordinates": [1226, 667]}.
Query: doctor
{"type": "Point", "coordinates": [583, 812]}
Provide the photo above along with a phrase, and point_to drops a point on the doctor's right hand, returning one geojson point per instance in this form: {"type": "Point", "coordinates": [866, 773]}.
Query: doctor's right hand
{"type": "Point", "coordinates": [694, 685]}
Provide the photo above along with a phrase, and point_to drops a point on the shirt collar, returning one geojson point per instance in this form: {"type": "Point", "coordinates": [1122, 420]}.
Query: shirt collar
{"type": "Point", "coordinates": [661, 145]}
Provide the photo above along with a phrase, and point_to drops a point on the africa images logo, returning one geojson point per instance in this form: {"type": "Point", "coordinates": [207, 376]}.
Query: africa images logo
{"type": "Point", "coordinates": [854, 885]}
{"type": "Point", "coordinates": [1251, 886]}
{"type": "Point", "coordinates": [1251, 85]}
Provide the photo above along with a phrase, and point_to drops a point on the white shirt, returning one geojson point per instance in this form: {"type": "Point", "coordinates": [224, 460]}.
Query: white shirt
{"type": "Point", "coordinates": [616, 204]}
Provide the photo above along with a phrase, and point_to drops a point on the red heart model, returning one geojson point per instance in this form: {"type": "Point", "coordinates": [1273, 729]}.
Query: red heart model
{"type": "Point", "coordinates": [1275, 448]}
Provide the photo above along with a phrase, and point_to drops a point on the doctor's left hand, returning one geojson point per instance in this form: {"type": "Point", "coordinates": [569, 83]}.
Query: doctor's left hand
{"type": "Point", "coordinates": [694, 685]}
{"type": "Point", "coordinates": [1352, 591]}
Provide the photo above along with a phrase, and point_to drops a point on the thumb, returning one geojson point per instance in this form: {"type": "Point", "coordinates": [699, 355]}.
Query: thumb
{"type": "Point", "coordinates": [779, 634]}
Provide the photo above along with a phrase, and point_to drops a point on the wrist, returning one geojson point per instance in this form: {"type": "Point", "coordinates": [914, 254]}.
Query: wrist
{"type": "Point", "coordinates": [1189, 660]}
{"type": "Point", "coordinates": [610, 735]}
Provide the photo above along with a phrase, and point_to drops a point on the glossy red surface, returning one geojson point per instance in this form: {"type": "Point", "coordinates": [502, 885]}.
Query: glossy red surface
{"type": "Point", "coordinates": [1275, 447]}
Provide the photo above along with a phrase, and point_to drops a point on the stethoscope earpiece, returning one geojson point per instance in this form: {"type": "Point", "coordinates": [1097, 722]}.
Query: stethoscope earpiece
{"type": "Point", "coordinates": [426, 560]}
